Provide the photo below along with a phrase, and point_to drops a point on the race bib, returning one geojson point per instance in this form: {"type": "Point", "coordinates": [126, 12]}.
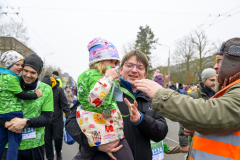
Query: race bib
{"type": "Point", "coordinates": [28, 132]}
{"type": "Point", "coordinates": [157, 150]}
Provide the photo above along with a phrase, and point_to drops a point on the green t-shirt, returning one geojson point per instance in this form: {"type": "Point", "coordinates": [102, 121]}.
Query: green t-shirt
{"type": "Point", "coordinates": [9, 86]}
{"type": "Point", "coordinates": [33, 109]}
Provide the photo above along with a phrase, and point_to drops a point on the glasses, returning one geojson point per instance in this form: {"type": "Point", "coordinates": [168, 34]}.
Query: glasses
{"type": "Point", "coordinates": [131, 65]}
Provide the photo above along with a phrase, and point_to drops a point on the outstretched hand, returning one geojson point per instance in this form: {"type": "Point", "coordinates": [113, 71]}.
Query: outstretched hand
{"type": "Point", "coordinates": [135, 116]}
{"type": "Point", "coordinates": [147, 86]}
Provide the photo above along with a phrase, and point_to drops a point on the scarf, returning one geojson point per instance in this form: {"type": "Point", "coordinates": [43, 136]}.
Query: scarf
{"type": "Point", "coordinates": [28, 87]}
{"type": "Point", "coordinates": [209, 92]}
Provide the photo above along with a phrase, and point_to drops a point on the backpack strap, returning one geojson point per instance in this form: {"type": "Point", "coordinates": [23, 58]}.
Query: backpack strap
{"type": "Point", "coordinates": [198, 93]}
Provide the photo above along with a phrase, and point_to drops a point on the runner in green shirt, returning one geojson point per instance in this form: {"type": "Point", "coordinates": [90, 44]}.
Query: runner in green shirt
{"type": "Point", "coordinates": [36, 113]}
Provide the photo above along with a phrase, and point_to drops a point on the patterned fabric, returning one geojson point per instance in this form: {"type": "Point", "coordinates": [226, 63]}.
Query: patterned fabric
{"type": "Point", "coordinates": [86, 82]}
{"type": "Point", "coordinates": [99, 130]}
{"type": "Point", "coordinates": [100, 49]}
{"type": "Point", "coordinates": [9, 86]}
{"type": "Point", "coordinates": [93, 93]}
{"type": "Point", "coordinates": [33, 109]}
{"type": "Point", "coordinates": [9, 58]}
{"type": "Point", "coordinates": [100, 91]}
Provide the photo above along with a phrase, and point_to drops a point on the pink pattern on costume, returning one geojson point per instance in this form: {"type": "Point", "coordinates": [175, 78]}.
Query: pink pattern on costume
{"type": "Point", "coordinates": [89, 99]}
{"type": "Point", "coordinates": [85, 112]}
{"type": "Point", "coordinates": [108, 136]}
{"type": "Point", "coordinates": [91, 126]}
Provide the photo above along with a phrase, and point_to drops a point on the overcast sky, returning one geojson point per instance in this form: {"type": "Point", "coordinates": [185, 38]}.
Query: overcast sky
{"type": "Point", "coordinates": [65, 27]}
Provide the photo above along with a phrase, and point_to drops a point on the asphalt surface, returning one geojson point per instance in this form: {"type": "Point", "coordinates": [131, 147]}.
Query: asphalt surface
{"type": "Point", "coordinates": [178, 156]}
{"type": "Point", "coordinates": [69, 151]}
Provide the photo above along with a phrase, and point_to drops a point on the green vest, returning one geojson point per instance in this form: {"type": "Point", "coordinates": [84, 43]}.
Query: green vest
{"type": "Point", "coordinates": [60, 82]}
{"type": "Point", "coordinates": [8, 101]}
{"type": "Point", "coordinates": [86, 82]}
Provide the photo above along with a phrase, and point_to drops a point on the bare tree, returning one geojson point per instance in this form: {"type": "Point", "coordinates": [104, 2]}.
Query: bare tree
{"type": "Point", "coordinates": [128, 47]}
{"type": "Point", "coordinates": [184, 52]}
{"type": "Point", "coordinates": [14, 29]}
{"type": "Point", "coordinates": [203, 46]}
{"type": "Point", "coordinates": [1, 10]}
{"type": "Point", "coordinates": [48, 71]}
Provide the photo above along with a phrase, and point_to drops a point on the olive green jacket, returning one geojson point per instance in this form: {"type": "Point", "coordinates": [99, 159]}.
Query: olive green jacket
{"type": "Point", "coordinates": [196, 94]}
{"type": "Point", "coordinates": [214, 116]}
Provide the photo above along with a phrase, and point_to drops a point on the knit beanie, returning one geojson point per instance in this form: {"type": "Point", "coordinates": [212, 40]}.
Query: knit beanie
{"type": "Point", "coordinates": [207, 73]}
{"type": "Point", "coordinates": [100, 49]}
{"type": "Point", "coordinates": [9, 58]}
{"type": "Point", "coordinates": [35, 62]}
{"type": "Point", "coordinates": [156, 73]}
{"type": "Point", "coordinates": [55, 73]}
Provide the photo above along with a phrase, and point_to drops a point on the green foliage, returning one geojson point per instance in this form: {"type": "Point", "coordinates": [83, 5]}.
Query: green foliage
{"type": "Point", "coordinates": [146, 41]}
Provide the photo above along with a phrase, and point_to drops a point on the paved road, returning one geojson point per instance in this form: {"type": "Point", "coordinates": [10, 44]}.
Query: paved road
{"type": "Point", "coordinates": [178, 156]}
{"type": "Point", "coordinates": [69, 151]}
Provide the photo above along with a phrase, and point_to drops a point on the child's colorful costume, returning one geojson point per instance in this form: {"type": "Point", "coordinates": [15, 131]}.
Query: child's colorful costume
{"type": "Point", "coordinates": [91, 121]}
{"type": "Point", "coordinates": [94, 90]}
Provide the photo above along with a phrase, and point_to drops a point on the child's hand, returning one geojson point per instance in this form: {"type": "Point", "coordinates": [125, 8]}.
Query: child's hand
{"type": "Point", "coordinates": [112, 72]}
{"type": "Point", "coordinates": [38, 92]}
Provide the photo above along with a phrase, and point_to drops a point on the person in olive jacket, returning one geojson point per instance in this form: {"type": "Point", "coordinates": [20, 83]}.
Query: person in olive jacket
{"type": "Point", "coordinates": [222, 114]}
{"type": "Point", "coordinates": [142, 126]}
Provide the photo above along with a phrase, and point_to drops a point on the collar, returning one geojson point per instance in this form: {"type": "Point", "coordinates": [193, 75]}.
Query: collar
{"type": "Point", "coordinates": [209, 92]}
{"type": "Point", "coordinates": [7, 71]}
{"type": "Point", "coordinates": [128, 85]}
{"type": "Point", "coordinates": [29, 87]}
{"type": "Point", "coordinates": [57, 78]}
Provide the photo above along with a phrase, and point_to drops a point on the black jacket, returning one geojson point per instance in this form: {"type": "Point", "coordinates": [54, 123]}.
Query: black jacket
{"type": "Point", "coordinates": [60, 104]}
{"type": "Point", "coordinates": [173, 87]}
{"type": "Point", "coordinates": [153, 126]}
{"type": "Point", "coordinates": [60, 101]}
